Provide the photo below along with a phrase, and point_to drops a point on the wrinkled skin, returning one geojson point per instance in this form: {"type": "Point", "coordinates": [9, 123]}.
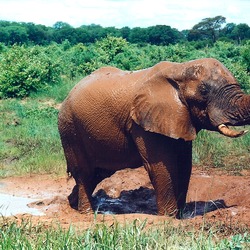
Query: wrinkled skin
{"type": "Point", "coordinates": [115, 119]}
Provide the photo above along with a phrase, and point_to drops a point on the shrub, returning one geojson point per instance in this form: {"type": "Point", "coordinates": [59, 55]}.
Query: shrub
{"type": "Point", "coordinates": [245, 53]}
{"type": "Point", "coordinates": [24, 70]}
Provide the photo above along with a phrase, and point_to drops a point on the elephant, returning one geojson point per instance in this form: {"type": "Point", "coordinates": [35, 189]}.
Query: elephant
{"type": "Point", "coordinates": [114, 119]}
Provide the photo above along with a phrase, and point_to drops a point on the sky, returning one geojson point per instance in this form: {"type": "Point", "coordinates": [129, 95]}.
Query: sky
{"type": "Point", "coordinates": [179, 14]}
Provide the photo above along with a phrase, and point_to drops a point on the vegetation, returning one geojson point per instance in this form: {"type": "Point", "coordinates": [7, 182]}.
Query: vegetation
{"type": "Point", "coordinates": [208, 30]}
{"type": "Point", "coordinates": [26, 69]}
{"type": "Point", "coordinates": [133, 236]}
{"type": "Point", "coordinates": [38, 67]}
{"type": "Point", "coordinates": [29, 138]}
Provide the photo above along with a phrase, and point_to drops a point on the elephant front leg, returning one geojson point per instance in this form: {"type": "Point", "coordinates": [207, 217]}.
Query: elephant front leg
{"type": "Point", "coordinates": [160, 158]}
{"type": "Point", "coordinates": [184, 173]}
{"type": "Point", "coordinates": [171, 175]}
{"type": "Point", "coordinates": [84, 199]}
{"type": "Point", "coordinates": [166, 188]}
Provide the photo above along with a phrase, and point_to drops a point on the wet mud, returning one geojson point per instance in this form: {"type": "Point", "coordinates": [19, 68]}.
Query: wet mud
{"type": "Point", "coordinates": [127, 195]}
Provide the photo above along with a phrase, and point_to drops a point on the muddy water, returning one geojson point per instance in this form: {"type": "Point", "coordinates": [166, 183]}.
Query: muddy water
{"type": "Point", "coordinates": [141, 200]}
{"type": "Point", "coordinates": [13, 205]}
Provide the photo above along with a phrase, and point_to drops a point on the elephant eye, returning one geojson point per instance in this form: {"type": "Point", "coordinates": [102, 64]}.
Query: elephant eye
{"type": "Point", "coordinates": [204, 89]}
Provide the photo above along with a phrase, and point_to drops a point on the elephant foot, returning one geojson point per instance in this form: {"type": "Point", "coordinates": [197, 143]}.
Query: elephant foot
{"type": "Point", "coordinates": [84, 205]}
{"type": "Point", "coordinates": [73, 198]}
{"type": "Point", "coordinates": [168, 212]}
{"type": "Point", "coordinates": [77, 200]}
{"type": "Point", "coordinates": [180, 214]}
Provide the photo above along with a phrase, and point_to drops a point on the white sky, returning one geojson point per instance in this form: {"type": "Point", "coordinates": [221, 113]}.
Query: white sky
{"type": "Point", "coordinates": [180, 14]}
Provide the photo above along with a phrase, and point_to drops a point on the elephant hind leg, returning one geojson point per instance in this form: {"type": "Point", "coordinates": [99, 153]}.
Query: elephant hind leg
{"type": "Point", "coordinates": [79, 167]}
{"type": "Point", "coordinates": [85, 183]}
{"type": "Point", "coordinates": [83, 198]}
{"type": "Point", "coordinates": [81, 195]}
{"type": "Point", "coordinates": [79, 200]}
{"type": "Point", "coordinates": [82, 192]}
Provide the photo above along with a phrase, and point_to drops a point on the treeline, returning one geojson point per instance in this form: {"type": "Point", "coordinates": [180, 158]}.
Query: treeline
{"type": "Point", "coordinates": [207, 32]}
{"type": "Point", "coordinates": [27, 69]}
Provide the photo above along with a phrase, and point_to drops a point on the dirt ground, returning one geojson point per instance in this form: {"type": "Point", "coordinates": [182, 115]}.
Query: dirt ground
{"type": "Point", "coordinates": [214, 196]}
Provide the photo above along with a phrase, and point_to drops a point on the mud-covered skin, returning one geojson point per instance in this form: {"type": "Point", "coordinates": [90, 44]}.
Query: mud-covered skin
{"type": "Point", "coordinates": [115, 119]}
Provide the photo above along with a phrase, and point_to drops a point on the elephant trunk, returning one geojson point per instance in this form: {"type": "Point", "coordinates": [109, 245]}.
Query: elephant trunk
{"type": "Point", "coordinates": [244, 107]}
{"type": "Point", "coordinates": [240, 116]}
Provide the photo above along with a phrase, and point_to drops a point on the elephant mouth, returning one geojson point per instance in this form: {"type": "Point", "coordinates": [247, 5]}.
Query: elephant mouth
{"type": "Point", "coordinates": [225, 130]}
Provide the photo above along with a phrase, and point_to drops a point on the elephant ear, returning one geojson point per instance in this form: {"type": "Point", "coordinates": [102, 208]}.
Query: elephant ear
{"type": "Point", "coordinates": [158, 108]}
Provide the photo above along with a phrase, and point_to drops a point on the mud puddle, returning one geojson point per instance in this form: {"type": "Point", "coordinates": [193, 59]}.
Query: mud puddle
{"type": "Point", "coordinates": [128, 194]}
{"type": "Point", "coordinates": [12, 205]}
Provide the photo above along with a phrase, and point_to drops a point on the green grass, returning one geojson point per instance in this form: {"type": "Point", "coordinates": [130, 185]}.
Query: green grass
{"type": "Point", "coordinates": [29, 138]}
{"type": "Point", "coordinates": [57, 92]}
{"type": "Point", "coordinates": [136, 235]}
{"type": "Point", "coordinates": [212, 149]}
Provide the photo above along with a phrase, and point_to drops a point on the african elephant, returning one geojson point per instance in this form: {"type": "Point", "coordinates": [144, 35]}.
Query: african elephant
{"type": "Point", "coordinates": [115, 119]}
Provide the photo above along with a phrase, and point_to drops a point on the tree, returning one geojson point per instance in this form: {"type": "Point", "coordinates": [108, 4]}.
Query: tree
{"type": "Point", "coordinates": [208, 28]}
{"type": "Point", "coordinates": [94, 32]}
{"type": "Point", "coordinates": [163, 35]}
{"type": "Point", "coordinates": [240, 32]}
{"type": "Point", "coordinates": [63, 31]}
{"type": "Point", "coordinates": [61, 25]}
{"type": "Point", "coordinates": [83, 36]}
{"type": "Point", "coordinates": [25, 70]}
{"type": "Point", "coordinates": [227, 30]}
{"type": "Point", "coordinates": [112, 31]}
{"type": "Point", "coordinates": [37, 33]}
{"type": "Point", "coordinates": [138, 35]}
{"type": "Point", "coordinates": [125, 31]}
{"type": "Point", "coordinates": [4, 35]}
{"type": "Point", "coordinates": [109, 47]}
{"type": "Point", "coordinates": [17, 34]}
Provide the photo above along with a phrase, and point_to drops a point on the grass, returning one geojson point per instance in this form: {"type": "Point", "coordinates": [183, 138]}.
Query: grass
{"type": "Point", "coordinates": [29, 138]}
{"type": "Point", "coordinates": [214, 150]}
{"type": "Point", "coordinates": [30, 141]}
{"type": "Point", "coordinates": [57, 92]}
{"type": "Point", "coordinates": [136, 235]}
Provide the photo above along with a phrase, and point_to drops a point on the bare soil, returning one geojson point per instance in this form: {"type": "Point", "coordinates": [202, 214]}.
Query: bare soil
{"type": "Point", "coordinates": [214, 196]}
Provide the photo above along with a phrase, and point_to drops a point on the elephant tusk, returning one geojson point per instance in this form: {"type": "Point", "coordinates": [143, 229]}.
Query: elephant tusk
{"type": "Point", "coordinates": [223, 129]}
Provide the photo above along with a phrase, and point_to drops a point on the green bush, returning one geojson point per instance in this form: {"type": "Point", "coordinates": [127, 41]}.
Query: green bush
{"type": "Point", "coordinates": [25, 70]}
{"type": "Point", "coordinates": [245, 53]}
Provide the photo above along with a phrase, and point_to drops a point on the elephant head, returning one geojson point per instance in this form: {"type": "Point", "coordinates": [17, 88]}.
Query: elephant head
{"type": "Point", "coordinates": [180, 99]}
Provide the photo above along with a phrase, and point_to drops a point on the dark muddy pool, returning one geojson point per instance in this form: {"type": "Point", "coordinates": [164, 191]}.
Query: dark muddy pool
{"type": "Point", "coordinates": [141, 200]}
